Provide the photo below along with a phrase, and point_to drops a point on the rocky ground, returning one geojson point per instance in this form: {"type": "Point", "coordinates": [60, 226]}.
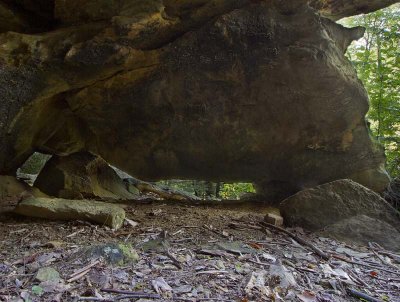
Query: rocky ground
{"type": "Point", "coordinates": [169, 252]}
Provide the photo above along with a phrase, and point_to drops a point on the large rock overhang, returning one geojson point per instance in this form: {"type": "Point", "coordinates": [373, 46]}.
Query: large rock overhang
{"type": "Point", "coordinates": [222, 90]}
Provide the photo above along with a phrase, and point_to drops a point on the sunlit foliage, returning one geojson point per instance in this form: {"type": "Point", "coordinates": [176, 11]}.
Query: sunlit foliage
{"type": "Point", "coordinates": [377, 59]}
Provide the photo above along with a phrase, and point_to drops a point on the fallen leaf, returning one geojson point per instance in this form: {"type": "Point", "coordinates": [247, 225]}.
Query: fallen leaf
{"type": "Point", "coordinates": [351, 253]}
{"type": "Point", "coordinates": [131, 222]}
{"type": "Point", "coordinates": [183, 289]}
{"type": "Point", "coordinates": [307, 296]}
{"type": "Point", "coordinates": [280, 275]}
{"type": "Point", "coordinates": [54, 287]}
{"type": "Point", "coordinates": [256, 281]}
{"type": "Point", "coordinates": [160, 285]}
{"type": "Point", "coordinates": [268, 257]}
{"type": "Point", "coordinates": [373, 274]}
{"type": "Point", "coordinates": [255, 245]}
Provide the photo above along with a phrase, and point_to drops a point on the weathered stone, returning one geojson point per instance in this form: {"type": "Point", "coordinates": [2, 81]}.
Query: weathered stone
{"type": "Point", "coordinates": [225, 90]}
{"type": "Point", "coordinates": [47, 274]}
{"type": "Point", "coordinates": [327, 204]}
{"type": "Point", "coordinates": [12, 188]}
{"type": "Point", "coordinates": [81, 175]}
{"type": "Point", "coordinates": [362, 229]}
{"type": "Point", "coordinates": [274, 219]}
{"type": "Point", "coordinates": [113, 253]}
{"type": "Point", "coordinates": [63, 209]}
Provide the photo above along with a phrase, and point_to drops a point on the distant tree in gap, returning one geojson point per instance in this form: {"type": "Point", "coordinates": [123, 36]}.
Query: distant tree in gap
{"type": "Point", "coordinates": [377, 59]}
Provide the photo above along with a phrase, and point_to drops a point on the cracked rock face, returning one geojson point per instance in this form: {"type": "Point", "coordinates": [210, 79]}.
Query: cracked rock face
{"type": "Point", "coordinates": [216, 90]}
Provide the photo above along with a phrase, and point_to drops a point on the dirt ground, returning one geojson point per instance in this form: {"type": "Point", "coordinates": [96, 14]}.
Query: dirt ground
{"type": "Point", "coordinates": [176, 252]}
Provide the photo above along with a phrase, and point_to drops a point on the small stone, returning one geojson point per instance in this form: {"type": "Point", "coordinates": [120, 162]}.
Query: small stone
{"type": "Point", "coordinates": [274, 219]}
{"type": "Point", "coordinates": [47, 274]}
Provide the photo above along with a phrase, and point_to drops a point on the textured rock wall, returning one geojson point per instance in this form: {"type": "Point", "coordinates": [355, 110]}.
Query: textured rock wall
{"type": "Point", "coordinates": [212, 89]}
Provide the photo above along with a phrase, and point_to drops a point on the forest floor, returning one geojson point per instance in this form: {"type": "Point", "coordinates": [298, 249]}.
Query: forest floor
{"type": "Point", "coordinates": [168, 252]}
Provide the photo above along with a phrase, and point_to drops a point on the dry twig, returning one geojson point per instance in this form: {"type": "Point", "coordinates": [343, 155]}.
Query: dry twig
{"type": "Point", "coordinates": [322, 254]}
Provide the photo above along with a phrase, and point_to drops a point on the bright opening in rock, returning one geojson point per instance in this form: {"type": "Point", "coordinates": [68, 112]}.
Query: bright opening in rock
{"type": "Point", "coordinates": [211, 190]}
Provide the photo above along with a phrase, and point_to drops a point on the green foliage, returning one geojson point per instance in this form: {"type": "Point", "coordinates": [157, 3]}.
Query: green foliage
{"type": "Point", "coordinates": [235, 190]}
{"type": "Point", "coordinates": [377, 59]}
{"type": "Point", "coordinates": [207, 189]}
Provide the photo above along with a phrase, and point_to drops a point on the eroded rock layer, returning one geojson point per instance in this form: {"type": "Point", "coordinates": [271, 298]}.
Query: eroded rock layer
{"type": "Point", "coordinates": [226, 90]}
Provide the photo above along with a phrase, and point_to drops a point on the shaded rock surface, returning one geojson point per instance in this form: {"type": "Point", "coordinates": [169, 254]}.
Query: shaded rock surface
{"type": "Point", "coordinates": [63, 209]}
{"type": "Point", "coordinates": [12, 188]}
{"type": "Point", "coordinates": [362, 229]}
{"type": "Point", "coordinates": [341, 8]}
{"type": "Point", "coordinates": [225, 90]}
{"type": "Point", "coordinates": [346, 209]}
{"type": "Point", "coordinates": [392, 193]}
{"type": "Point", "coordinates": [81, 175]}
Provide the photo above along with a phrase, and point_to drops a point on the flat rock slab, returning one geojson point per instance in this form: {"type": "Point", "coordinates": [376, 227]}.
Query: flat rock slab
{"type": "Point", "coordinates": [64, 209]}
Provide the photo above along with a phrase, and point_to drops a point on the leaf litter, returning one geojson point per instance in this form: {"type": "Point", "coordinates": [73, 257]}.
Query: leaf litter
{"type": "Point", "coordinates": [185, 253]}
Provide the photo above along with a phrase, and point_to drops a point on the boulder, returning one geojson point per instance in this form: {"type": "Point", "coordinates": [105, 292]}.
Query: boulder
{"type": "Point", "coordinates": [14, 189]}
{"type": "Point", "coordinates": [218, 90]}
{"type": "Point", "coordinates": [327, 204]}
{"type": "Point", "coordinates": [345, 210]}
{"type": "Point", "coordinates": [63, 209]}
{"type": "Point", "coordinates": [362, 229]}
{"type": "Point", "coordinates": [81, 175]}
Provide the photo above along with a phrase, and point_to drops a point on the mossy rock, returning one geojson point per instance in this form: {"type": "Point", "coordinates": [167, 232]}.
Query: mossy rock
{"type": "Point", "coordinates": [113, 253]}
